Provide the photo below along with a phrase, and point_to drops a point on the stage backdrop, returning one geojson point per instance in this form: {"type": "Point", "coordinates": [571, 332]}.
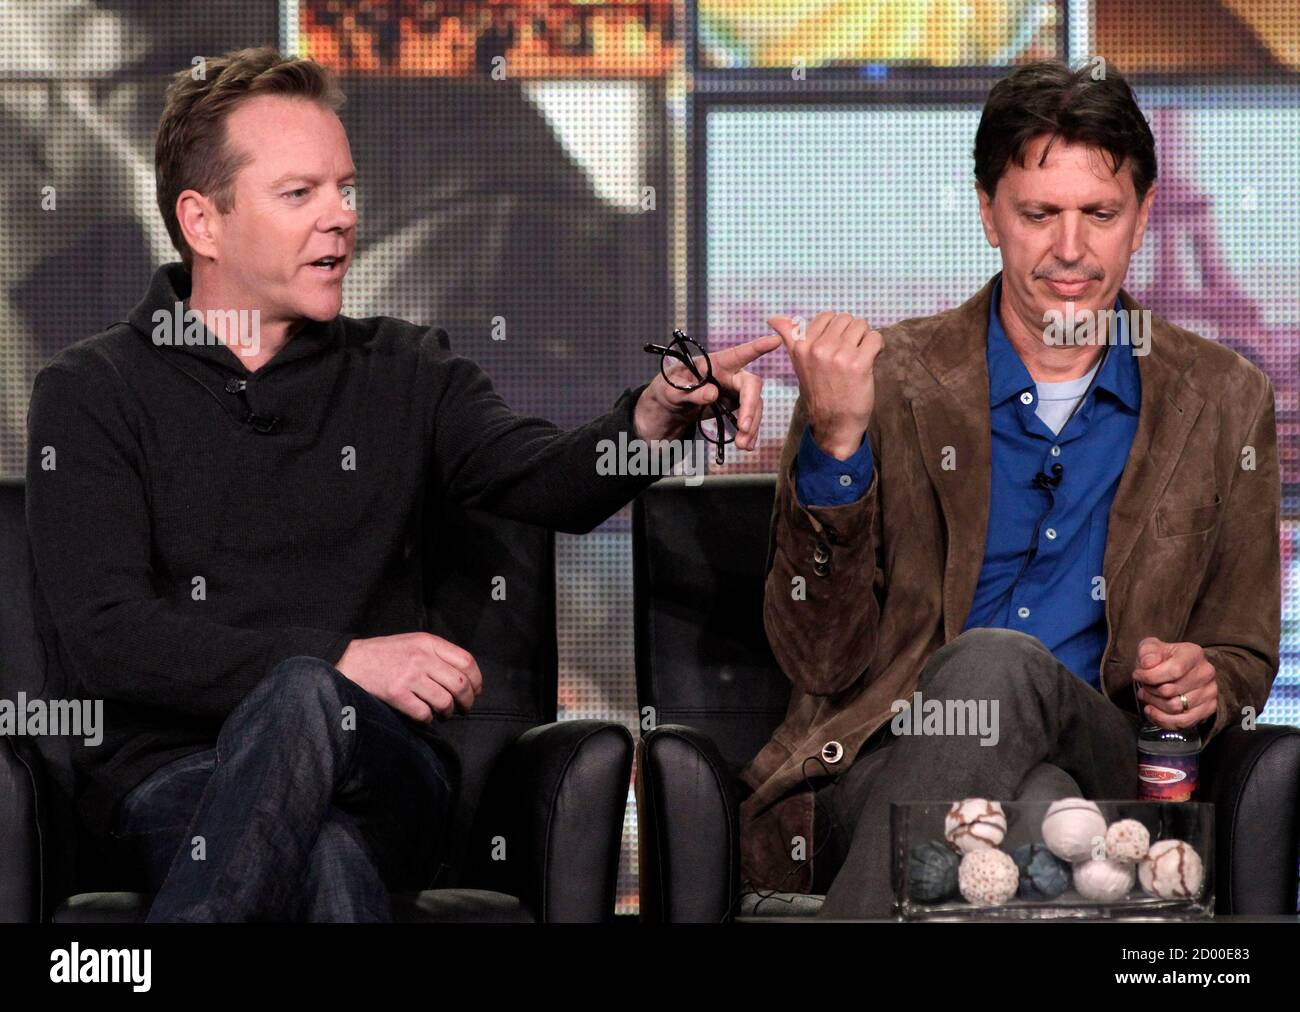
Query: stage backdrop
{"type": "Point", "coordinates": [589, 175]}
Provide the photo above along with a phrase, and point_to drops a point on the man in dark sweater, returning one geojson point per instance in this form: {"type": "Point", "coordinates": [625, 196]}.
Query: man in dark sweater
{"type": "Point", "coordinates": [224, 504]}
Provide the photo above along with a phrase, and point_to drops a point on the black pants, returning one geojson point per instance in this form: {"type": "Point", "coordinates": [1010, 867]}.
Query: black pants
{"type": "Point", "coordinates": [1057, 737]}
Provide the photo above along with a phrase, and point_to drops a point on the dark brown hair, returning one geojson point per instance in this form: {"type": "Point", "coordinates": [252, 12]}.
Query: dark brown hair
{"type": "Point", "coordinates": [192, 151]}
{"type": "Point", "coordinates": [1075, 105]}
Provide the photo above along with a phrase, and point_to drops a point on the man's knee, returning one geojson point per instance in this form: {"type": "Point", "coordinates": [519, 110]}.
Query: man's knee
{"type": "Point", "coordinates": [986, 641]}
{"type": "Point", "coordinates": [984, 659]}
{"type": "Point", "coordinates": [1047, 782]}
{"type": "Point", "coordinates": [307, 692]}
{"type": "Point", "coordinates": [302, 681]}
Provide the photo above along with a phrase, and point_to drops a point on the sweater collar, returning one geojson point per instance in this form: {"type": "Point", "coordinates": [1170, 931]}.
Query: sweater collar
{"type": "Point", "coordinates": [171, 285]}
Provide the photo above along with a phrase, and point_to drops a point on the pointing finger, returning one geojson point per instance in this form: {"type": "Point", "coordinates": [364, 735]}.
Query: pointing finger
{"type": "Point", "coordinates": [741, 355]}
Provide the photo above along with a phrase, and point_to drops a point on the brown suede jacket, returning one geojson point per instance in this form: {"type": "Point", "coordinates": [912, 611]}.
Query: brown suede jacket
{"type": "Point", "coordinates": [1192, 552]}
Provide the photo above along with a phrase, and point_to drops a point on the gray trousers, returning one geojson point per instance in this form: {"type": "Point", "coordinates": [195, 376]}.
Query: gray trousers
{"type": "Point", "coordinates": [1057, 737]}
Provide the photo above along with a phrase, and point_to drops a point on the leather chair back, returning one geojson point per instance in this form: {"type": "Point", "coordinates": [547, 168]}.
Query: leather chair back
{"type": "Point", "coordinates": [699, 564]}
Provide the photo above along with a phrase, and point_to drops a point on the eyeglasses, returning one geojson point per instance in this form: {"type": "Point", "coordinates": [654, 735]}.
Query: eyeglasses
{"type": "Point", "coordinates": [679, 364]}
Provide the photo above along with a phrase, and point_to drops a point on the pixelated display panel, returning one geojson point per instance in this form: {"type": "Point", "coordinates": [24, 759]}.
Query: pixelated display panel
{"type": "Point", "coordinates": [761, 34]}
{"type": "Point", "coordinates": [464, 38]}
{"type": "Point", "coordinates": [1200, 37]}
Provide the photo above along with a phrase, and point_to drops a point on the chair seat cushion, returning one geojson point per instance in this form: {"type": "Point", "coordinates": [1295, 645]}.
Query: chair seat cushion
{"type": "Point", "coordinates": [103, 908]}
{"type": "Point", "coordinates": [454, 906]}
{"type": "Point", "coordinates": [460, 906]}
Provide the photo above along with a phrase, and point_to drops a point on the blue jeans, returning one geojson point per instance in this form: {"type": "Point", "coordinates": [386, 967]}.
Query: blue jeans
{"type": "Point", "coordinates": [318, 800]}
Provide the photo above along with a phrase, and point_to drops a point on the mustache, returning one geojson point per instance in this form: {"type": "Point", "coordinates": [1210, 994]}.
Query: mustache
{"type": "Point", "coordinates": [1088, 274]}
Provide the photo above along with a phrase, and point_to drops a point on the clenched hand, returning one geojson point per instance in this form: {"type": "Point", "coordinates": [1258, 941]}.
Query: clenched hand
{"type": "Point", "coordinates": [835, 362]}
{"type": "Point", "coordinates": [416, 673]}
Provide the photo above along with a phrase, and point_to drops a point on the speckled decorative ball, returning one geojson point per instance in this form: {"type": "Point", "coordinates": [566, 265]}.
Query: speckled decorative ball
{"type": "Point", "coordinates": [932, 872]}
{"type": "Point", "coordinates": [1043, 875]}
{"type": "Point", "coordinates": [975, 824]}
{"type": "Point", "coordinates": [1104, 880]}
{"type": "Point", "coordinates": [1127, 840]}
{"type": "Point", "coordinates": [1171, 870]}
{"type": "Point", "coordinates": [1070, 827]}
{"type": "Point", "coordinates": [988, 877]}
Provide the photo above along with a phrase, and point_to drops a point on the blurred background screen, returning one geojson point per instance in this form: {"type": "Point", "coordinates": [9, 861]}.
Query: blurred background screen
{"type": "Point", "coordinates": [763, 35]}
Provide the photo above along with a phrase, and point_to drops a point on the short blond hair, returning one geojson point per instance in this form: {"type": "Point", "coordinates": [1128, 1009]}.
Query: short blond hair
{"type": "Point", "coordinates": [192, 150]}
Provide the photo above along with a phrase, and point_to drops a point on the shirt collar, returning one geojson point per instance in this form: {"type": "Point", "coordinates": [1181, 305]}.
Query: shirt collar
{"type": "Point", "coordinates": [1008, 375]}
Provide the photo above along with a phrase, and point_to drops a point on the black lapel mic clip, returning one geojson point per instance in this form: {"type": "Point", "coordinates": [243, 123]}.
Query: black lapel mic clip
{"type": "Point", "coordinates": [260, 423]}
{"type": "Point", "coordinates": [1053, 481]}
{"type": "Point", "coordinates": [1045, 481]}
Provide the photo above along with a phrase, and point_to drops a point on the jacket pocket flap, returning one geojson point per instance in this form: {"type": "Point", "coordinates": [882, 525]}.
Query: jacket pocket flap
{"type": "Point", "coordinates": [1190, 520]}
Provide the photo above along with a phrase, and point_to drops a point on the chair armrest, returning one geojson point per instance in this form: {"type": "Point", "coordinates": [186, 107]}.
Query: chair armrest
{"type": "Point", "coordinates": [555, 801]}
{"type": "Point", "coordinates": [1253, 779]}
{"type": "Point", "coordinates": [20, 850]}
{"type": "Point", "coordinates": [689, 825]}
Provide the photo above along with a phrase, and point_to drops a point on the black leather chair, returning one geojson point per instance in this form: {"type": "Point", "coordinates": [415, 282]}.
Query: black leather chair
{"type": "Point", "coordinates": [555, 791]}
{"type": "Point", "coordinates": [716, 694]}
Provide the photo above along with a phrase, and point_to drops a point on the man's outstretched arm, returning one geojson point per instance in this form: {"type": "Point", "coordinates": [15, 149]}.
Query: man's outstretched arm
{"type": "Point", "coordinates": [488, 457]}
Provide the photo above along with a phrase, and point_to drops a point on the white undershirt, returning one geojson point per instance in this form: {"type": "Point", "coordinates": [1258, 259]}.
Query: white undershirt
{"type": "Point", "coordinates": [1056, 400]}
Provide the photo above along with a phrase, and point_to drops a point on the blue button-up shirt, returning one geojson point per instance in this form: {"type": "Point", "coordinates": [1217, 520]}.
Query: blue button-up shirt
{"type": "Point", "coordinates": [1058, 596]}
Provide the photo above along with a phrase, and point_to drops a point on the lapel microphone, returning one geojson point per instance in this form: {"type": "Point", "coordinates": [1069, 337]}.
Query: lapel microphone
{"type": "Point", "coordinates": [260, 423]}
{"type": "Point", "coordinates": [1053, 481]}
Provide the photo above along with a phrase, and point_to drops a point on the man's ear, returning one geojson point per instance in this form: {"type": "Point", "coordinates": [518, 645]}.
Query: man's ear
{"type": "Point", "coordinates": [200, 223]}
{"type": "Point", "coordinates": [1144, 211]}
{"type": "Point", "coordinates": [986, 217]}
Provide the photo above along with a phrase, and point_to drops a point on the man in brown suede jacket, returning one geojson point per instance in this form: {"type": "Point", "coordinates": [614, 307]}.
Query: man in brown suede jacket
{"type": "Point", "coordinates": [1139, 582]}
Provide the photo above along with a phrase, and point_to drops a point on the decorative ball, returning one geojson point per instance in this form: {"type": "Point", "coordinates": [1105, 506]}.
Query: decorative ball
{"type": "Point", "coordinates": [975, 824]}
{"type": "Point", "coordinates": [932, 872]}
{"type": "Point", "coordinates": [1043, 875]}
{"type": "Point", "coordinates": [987, 877]}
{"type": "Point", "coordinates": [1103, 880]}
{"type": "Point", "coordinates": [1171, 870]}
{"type": "Point", "coordinates": [1127, 840]}
{"type": "Point", "coordinates": [1070, 827]}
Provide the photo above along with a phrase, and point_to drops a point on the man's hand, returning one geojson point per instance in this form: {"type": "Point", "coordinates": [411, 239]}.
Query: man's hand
{"type": "Point", "coordinates": [1167, 671]}
{"type": "Point", "coordinates": [664, 412]}
{"type": "Point", "coordinates": [417, 673]}
{"type": "Point", "coordinates": [835, 363]}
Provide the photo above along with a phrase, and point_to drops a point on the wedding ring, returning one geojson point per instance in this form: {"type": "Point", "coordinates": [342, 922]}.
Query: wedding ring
{"type": "Point", "coordinates": [1186, 705]}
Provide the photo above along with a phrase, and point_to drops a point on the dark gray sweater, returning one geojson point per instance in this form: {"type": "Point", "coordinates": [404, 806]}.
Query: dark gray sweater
{"type": "Point", "coordinates": [147, 468]}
